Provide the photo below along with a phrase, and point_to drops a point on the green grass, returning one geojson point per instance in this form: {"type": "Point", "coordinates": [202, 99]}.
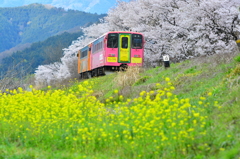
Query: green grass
{"type": "Point", "coordinates": [196, 78]}
{"type": "Point", "coordinates": [126, 113]}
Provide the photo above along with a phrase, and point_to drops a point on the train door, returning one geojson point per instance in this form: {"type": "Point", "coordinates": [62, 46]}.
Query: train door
{"type": "Point", "coordinates": [124, 51]}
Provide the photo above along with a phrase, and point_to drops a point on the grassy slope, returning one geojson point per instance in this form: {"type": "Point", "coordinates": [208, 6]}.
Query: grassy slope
{"type": "Point", "coordinates": [218, 74]}
{"type": "Point", "coordinates": [191, 78]}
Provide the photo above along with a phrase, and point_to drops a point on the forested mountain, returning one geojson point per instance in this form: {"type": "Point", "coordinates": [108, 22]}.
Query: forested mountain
{"type": "Point", "coordinates": [24, 62]}
{"type": "Point", "coordinates": [36, 22]}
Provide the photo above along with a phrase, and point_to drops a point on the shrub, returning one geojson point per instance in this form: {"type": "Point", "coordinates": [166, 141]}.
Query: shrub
{"type": "Point", "coordinates": [237, 59]}
{"type": "Point", "coordinates": [128, 77]}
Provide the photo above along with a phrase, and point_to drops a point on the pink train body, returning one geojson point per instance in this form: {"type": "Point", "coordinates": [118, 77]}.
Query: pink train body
{"type": "Point", "coordinates": [111, 52]}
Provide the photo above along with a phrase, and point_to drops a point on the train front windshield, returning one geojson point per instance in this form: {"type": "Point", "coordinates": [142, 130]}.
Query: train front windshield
{"type": "Point", "coordinates": [112, 40]}
{"type": "Point", "coordinates": [137, 41]}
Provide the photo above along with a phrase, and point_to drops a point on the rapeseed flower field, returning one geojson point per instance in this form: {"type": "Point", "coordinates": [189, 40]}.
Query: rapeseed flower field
{"type": "Point", "coordinates": [148, 126]}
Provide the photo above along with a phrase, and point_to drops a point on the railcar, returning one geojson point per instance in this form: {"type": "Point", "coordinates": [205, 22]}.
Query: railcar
{"type": "Point", "coordinates": [112, 51]}
{"type": "Point", "coordinates": [84, 61]}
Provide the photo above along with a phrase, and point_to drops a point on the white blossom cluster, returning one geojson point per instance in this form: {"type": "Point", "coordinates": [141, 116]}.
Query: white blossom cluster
{"type": "Point", "coordinates": [181, 29]}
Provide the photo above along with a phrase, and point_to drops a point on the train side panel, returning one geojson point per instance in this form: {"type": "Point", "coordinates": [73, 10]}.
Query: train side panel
{"type": "Point", "coordinates": [98, 53]}
{"type": "Point", "coordinates": [84, 59]}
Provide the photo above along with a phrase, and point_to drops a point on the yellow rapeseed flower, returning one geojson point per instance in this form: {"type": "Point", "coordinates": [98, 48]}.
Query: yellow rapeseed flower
{"type": "Point", "coordinates": [190, 129]}
{"type": "Point", "coordinates": [222, 149]}
{"type": "Point", "coordinates": [169, 94]}
{"type": "Point", "coordinates": [196, 114]}
{"type": "Point", "coordinates": [158, 84]}
{"type": "Point", "coordinates": [142, 93]}
{"type": "Point", "coordinates": [209, 93]}
{"type": "Point", "coordinates": [173, 124]}
{"type": "Point", "coordinates": [167, 79]}
{"type": "Point", "coordinates": [200, 102]}
{"type": "Point", "coordinates": [120, 97]}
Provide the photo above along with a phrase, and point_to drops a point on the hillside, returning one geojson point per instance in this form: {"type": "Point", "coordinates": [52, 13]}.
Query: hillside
{"type": "Point", "coordinates": [24, 62]}
{"type": "Point", "coordinates": [36, 22]}
{"type": "Point", "coordinates": [189, 110]}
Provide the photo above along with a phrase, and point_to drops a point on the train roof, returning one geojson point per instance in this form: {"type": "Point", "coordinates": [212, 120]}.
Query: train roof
{"type": "Point", "coordinates": [123, 32]}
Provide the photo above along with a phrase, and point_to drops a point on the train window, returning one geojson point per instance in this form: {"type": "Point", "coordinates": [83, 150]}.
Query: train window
{"type": "Point", "coordinates": [112, 41]}
{"type": "Point", "coordinates": [137, 41]}
{"type": "Point", "coordinates": [83, 54]}
{"type": "Point", "coordinates": [125, 42]}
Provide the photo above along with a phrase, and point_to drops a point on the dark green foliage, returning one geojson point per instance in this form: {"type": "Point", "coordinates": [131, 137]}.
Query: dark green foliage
{"type": "Point", "coordinates": [191, 70]}
{"type": "Point", "coordinates": [39, 53]}
{"type": "Point", "coordinates": [8, 34]}
{"type": "Point", "coordinates": [35, 23]}
{"type": "Point", "coordinates": [237, 58]}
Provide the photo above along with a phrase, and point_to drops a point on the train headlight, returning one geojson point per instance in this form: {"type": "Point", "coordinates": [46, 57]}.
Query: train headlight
{"type": "Point", "coordinates": [111, 55]}
{"type": "Point", "coordinates": [137, 56]}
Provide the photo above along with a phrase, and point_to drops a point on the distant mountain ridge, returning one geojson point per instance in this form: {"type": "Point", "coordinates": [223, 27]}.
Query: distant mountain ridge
{"type": "Point", "coordinates": [37, 22]}
{"type": "Point", "coordinates": [91, 6]}
{"type": "Point", "coordinates": [39, 53]}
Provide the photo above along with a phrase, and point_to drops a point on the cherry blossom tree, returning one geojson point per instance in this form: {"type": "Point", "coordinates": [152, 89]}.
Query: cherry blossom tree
{"type": "Point", "coordinates": [182, 29]}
